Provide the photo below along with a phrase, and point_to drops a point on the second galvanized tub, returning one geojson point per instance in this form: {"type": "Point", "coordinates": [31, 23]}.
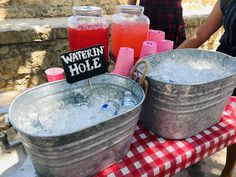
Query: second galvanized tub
{"type": "Point", "coordinates": [178, 111]}
{"type": "Point", "coordinates": [80, 153]}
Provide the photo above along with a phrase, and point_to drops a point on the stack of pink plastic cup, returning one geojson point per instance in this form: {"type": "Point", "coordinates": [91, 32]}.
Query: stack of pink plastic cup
{"type": "Point", "coordinates": [156, 35]}
{"type": "Point", "coordinates": [165, 45]}
{"type": "Point", "coordinates": [124, 62]}
{"type": "Point", "coordinates": [54, 74]}
{"type": "Point", "coordinates": [148, 48]}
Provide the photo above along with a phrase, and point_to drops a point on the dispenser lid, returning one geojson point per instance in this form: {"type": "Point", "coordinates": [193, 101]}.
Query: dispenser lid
{"type": "Point", "coordinates": [130, 9]}
{"type": "Point", "coordinates": [87, 10]}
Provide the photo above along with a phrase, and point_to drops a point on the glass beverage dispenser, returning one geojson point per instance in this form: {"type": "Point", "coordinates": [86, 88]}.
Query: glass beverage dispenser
{"type": "Point", "coordinates": [87, 28]}
{"type": "Point", "coordinates": [129, 29]}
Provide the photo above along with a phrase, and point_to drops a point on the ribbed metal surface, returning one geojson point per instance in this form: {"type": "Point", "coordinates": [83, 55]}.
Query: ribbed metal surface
{"type": "Point", "coordinates": [179, 111]}
{"type": "Point", "coordinates": [85, 152]}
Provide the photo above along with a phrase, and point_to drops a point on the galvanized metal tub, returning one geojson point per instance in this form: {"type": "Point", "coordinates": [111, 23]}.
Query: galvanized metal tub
{"type": "Point", "coordinates": [178, 111]}
{"type": "Point", "coordinates": [85, 152]}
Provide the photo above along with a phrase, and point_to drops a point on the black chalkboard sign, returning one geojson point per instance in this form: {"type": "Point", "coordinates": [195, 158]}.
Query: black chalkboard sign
{"type": "Point", "coordinates": [84, 63]}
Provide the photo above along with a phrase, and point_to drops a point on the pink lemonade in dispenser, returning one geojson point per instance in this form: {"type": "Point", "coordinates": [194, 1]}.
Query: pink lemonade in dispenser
{"type": "Point", "coordinates": [129, 35]}
{"type": "Point", "coordinates": [129, 28]}
{"type": "Point", "coordinates": [87, 28]}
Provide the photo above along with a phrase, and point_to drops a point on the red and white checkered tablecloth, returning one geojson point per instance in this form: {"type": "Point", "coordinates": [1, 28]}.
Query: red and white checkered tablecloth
{"type": "Point", "coordinates": [151, 155]}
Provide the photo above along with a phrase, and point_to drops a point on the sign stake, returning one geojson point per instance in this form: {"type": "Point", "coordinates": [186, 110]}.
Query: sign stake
{"type": "Point", "coordinates": [90, 86]}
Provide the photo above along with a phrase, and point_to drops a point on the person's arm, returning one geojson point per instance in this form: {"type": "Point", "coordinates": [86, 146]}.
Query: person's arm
{"type": "Point", "coordinates": [132, 2]}
{"type": "Point", "coordinates": [204, 32]}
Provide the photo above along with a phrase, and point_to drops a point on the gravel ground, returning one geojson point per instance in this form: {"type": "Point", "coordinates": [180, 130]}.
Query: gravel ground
{"type": "Point", "coordinates": [210, 167]}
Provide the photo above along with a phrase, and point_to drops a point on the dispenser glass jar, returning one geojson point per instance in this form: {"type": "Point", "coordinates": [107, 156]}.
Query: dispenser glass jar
{"type": "Point", "coordinates": [129, 29]}
{"type": "Point", "coordinates": [87, 27]}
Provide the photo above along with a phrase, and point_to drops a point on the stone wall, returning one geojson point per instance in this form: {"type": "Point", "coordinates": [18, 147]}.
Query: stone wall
{"type": "Point", "coordinates": [29, 46]}
{"type": "Point", "coordinates": [48, 8]}
{"type": "Point", "coordinates": [189, 3]}
{"type": "Point", "coordinates": [61, 8]}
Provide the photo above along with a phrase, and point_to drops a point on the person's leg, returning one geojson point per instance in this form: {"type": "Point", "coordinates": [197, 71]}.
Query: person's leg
{"type": "Point", "coordinates": [230, 161]}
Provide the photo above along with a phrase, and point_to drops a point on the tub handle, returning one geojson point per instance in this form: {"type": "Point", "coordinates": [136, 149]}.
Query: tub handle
{"type": "Point", "coordinates": [142, 81]}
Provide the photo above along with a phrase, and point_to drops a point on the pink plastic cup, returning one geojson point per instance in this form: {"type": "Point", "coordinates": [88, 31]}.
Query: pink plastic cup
{"type": "Point", "coordinates": [124, 62]}
{"type": "Point", "coordinates": [148, 48]}
{"type": "Point", "coordinates": [54, 74]}
{"type": "Point", "coordinates": [156, 35]}
{"type": "Point", "coordinates": [165, 45]}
